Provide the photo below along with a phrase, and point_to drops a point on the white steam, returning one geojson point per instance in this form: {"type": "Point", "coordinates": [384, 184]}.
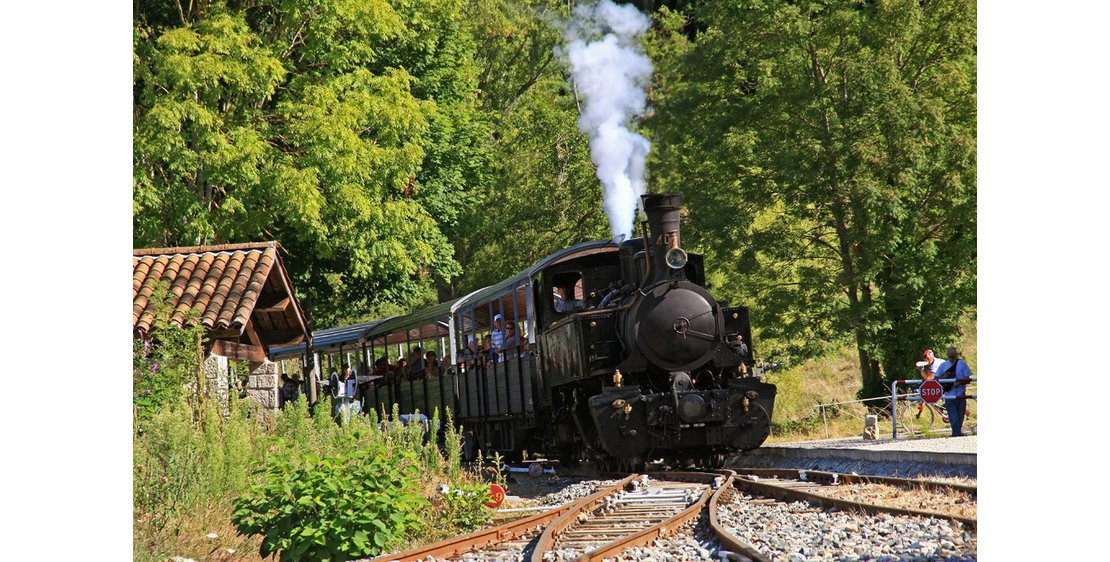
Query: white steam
{"type": "Point", "coordinates": [611, 75]}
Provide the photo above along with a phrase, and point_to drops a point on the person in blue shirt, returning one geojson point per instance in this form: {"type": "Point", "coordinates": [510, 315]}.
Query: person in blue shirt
{"type": "Point", "coordinates": [954, 402]}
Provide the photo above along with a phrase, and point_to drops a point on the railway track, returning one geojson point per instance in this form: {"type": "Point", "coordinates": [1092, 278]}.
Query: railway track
{"type": "Point", "coordinates": [821, 488]}
{"type": "Point", "coordinates": [635, 511]}
{"type": "Point", "coordinates": [641, 508]}
{"type": "Point", "coordinates": [657, 505]}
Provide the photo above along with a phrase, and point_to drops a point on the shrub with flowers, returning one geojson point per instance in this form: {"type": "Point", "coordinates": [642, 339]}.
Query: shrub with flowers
{"type": "Point", "coordinates": [165, 358]}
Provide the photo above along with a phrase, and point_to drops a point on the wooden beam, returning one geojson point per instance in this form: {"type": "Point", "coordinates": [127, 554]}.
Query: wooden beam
{"type": "Point", "coordinates": [252, 334]}
{"type": "Point", "coordinates": [279, 338]}
{"type": "Point", "coordinates": [238, 351]}
{"type": "Point", "coordinates": [279, 306]}
{"type": "Point", "coordinates": [226, 333]}
{"type": "Point", "coordinates": [299, 338]}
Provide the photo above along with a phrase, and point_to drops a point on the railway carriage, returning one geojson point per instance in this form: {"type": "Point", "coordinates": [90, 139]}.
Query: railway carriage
{"type": "Point", "coordinates": [619, 352]}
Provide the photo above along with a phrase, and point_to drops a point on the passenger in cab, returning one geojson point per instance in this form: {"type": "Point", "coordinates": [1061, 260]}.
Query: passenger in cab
{"type": "Point", "coordinates": [559, 302]}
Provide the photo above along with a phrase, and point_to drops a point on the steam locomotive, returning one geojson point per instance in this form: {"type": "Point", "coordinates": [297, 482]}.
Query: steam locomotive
{"type": "Point", "coordinates": [607, 352]}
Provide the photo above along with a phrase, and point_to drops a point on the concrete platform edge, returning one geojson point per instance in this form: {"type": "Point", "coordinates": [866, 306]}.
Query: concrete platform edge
{"type": "Point", "coordinates": [867, 456]}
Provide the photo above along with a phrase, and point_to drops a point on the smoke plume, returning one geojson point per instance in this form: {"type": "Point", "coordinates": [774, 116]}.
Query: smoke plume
{"type": "Point", "coordinates": [611, 76]}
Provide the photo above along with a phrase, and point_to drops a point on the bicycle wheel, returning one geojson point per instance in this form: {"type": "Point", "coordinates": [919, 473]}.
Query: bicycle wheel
{"type": "Point", "coordinates": [915, 421]}
{"type": "Point", "coordinates": [942, 413]}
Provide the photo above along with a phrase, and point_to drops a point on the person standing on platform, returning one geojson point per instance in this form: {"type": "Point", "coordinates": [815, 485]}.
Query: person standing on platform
{"type": "Point", "coordinates": [954, 401]}
{"type": "Point", "coordinates": [929, 365]}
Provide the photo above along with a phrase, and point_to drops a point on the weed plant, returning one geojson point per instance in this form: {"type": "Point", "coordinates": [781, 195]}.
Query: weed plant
{"type": "Point", "coordinates": [196, 471]}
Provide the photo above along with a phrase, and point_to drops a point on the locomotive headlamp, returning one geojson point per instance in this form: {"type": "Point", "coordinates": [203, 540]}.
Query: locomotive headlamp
{"type": "Point", "coordinates": [676, 258]}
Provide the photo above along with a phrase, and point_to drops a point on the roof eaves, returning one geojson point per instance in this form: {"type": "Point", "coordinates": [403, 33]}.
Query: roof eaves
{"type": "Point", "coordinates": [210, 249]}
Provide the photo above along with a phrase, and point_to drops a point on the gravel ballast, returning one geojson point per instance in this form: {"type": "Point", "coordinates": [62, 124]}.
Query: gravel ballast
{"type": "Point", "coordinates": [800, 532]}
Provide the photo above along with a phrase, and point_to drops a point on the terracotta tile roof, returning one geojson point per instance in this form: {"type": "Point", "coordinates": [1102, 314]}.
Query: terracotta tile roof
{"type": "Point", "coordinates": [224, 283]}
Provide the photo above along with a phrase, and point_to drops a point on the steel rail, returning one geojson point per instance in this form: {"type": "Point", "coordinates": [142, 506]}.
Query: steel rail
{"type": "Point", "coordinates": [635, 537]}
{"type": "Point", "coordinates": [745, 481]}
{"type": "Point", "coordinates": [729, 542]}
{"type": "Point", "coordinates": [829, 477]}
{"type": "Point", "coordinates": [508, 531]}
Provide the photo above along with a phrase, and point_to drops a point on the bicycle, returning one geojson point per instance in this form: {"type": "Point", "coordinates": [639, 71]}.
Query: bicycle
{"type": "Point", "coordinates": [917, 416]}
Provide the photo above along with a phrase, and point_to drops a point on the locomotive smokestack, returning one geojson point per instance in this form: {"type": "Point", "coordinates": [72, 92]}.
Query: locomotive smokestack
{"type": "Point", "coordinates": [663, 212]}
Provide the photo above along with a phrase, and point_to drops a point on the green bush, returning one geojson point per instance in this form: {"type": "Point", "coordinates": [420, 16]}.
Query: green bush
{"type": "Point", "coordinates": [463, 508]}
{"type": "Point", "coordinates": [165, 359]}
{"type": "Point", "coordinates": [341, 506]}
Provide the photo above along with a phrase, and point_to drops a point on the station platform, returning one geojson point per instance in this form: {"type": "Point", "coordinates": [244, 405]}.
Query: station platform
{"type": "Point", "coordinates": [944, 456]}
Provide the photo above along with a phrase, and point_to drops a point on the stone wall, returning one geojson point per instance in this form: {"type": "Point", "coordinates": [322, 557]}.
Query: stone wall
{"type": "Point", "coordinates": [262, 387]}
{"type": "Point", "coordinates": [262, 383]}
{"type": "Point", "coordinates": [216, 373]}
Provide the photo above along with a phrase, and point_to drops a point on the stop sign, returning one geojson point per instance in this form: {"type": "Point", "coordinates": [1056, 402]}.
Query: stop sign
{"type": "Point", "coordinates": [496, 495]}
{"type": "Point", "coordinates": [930, 391]}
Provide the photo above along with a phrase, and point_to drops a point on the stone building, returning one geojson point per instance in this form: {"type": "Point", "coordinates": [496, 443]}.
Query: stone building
{"type": "Point", "coordinates": [244, 299]}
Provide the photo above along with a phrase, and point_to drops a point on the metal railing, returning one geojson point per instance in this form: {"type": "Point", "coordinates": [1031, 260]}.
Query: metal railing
{"type": "Point", "coordinates": [824, 409]}
{"type": "Point", "coordinates": [874, 406]}
{"type": "Point", "coordinates": [913, 396]}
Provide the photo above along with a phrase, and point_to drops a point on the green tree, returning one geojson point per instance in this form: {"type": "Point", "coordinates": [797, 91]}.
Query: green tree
{"type": "Point", "coordinates": [542, 194]}
{"type": "Point", "coordinates": [828, 152]}
{"type": "Point", "coordinates": [350, 130]}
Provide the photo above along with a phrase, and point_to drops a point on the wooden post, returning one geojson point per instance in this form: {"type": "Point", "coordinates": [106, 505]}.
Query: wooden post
{"type": "Point", "coordinates": [315, 373]}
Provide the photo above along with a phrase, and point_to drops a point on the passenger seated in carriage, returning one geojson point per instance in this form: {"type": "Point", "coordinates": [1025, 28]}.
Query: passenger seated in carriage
{"type": "Point", "coordinates": [511, 340]}
{"type": "Point", "coordinates": [431, 365]}
{"type": "Point", "coordinates": [487, 354]}
{"type": "Point", "coordinates": [469, 356]}
{"type": "Point", "coordinates": [416, 363]}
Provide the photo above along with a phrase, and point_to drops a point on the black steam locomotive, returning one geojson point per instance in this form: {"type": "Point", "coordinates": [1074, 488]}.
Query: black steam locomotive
{"type": "Point", "coordinates": [599, 351]}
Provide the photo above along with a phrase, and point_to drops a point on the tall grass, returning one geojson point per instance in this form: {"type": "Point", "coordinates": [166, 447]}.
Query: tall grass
{"type": "Point", "coordinates": [189, 467]}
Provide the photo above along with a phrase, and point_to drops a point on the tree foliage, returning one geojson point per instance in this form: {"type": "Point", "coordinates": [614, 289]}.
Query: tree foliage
{"type": "Point", "coordinates": [406, 150]}
{"type": "Point", "coordinates": [543, 194]}
{"type": "Point", "coordinates": [389, 146]}
{"type": "Point", "coordinates": [333, 126]}
{"type": "Point", "coordinates": [835, 143]}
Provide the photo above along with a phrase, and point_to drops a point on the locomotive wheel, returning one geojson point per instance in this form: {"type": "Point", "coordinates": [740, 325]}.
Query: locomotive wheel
{"type": "Point", "coordinates": [752, 429]}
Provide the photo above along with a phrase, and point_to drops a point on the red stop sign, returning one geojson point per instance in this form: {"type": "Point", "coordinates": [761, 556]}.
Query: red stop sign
{"type": "Point", "coordinates": [496, 495]}
{"type": "Point", "coordinates": [930, 391]}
